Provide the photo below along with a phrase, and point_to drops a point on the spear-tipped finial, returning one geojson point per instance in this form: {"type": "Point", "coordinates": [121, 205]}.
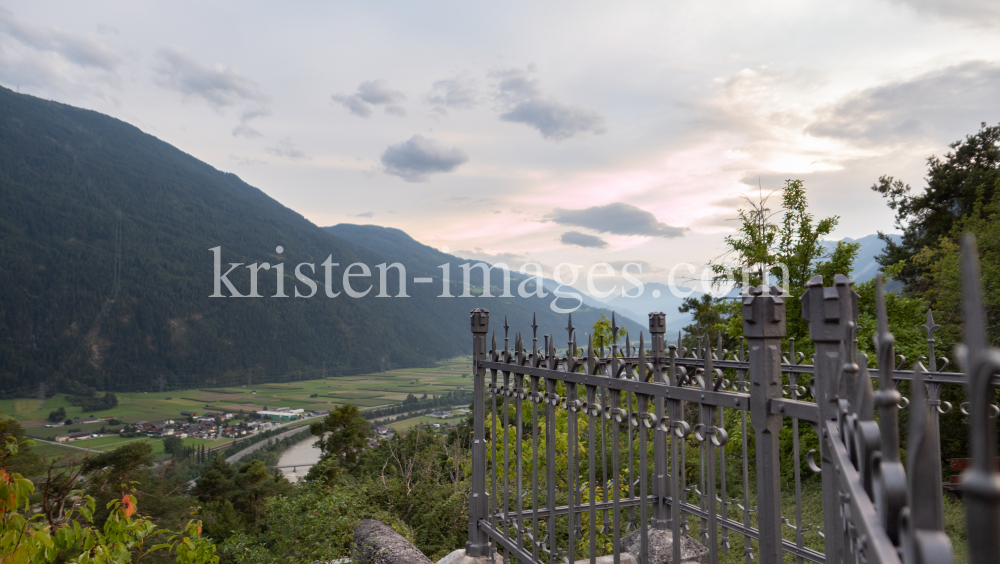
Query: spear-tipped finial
{"type": "Point", "coordinates": [534, 326]}
{"type": "Point", "coordinates": [884, 340]}
{"type": "Point", "coordinates": [506, 329]}
{"type": "Point", "coordinates": [926, 504]}
{"type": "Point", "coordinates": [642, 357]}
{"type": "Point", "coordinates": [614, 329]}
{"type": "Point", "coordinates": [628, 345]}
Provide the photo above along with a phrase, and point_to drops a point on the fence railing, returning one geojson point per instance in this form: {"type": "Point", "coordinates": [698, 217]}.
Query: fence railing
{"type": "Point", "coordinates": [573, 453]}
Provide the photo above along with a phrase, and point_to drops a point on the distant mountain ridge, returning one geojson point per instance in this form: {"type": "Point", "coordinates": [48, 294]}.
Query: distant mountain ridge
{"type": "Point", "coordinates": [65, 175]}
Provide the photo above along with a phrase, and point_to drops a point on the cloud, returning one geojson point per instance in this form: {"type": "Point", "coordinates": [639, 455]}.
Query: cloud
{"type": "Point", "coordinates": [287, 149]}
{"type": "Point", "coordinates": [365, 214]}
{"type": "Point", "coordinates": [221, 87]}
{"type": "Point", "coordinates": [245, 161]}
{"type": "Point", "coordinates": [521, 101]}
{"type": "Point", "coordinates": [416, 159]}
{"type": "Point", "coordinates": [79, 49]}
{"type": "Point", "coordinates": [458, 93]}
{"type": "Point", "coordinates": [370, 94]}
{"type": "Point", "coordinates": [645, 266]}
{"type": "Point", "coordinates": [582, 240]}
{"type": "Point", "coordinates": [556, 120]}
{"type": "Point", "coordinates": [617, 218]}
{"type": "Point", "coordinates": [976, 12]}
{"type": "Point", "coordinates": [941, 103]}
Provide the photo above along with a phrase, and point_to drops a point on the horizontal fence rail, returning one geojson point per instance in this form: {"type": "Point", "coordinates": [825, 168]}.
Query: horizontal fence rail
{"type": "Point", "coordinates": [580, 454]}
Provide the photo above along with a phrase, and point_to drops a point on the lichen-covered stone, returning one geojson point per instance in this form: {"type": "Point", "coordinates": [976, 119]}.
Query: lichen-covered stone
{"type": "Point", "coordinates": [661, 547]}
{"type": "Point", "coordinates": [377, 543]}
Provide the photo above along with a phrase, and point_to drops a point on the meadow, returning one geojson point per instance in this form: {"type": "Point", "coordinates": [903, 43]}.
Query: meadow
{"type": "Point", "coordinates": [367, 391]}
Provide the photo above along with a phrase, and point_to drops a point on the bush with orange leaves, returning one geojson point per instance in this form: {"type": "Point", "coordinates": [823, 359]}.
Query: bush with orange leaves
{"type": "Point", "coordinates": [27, 537]}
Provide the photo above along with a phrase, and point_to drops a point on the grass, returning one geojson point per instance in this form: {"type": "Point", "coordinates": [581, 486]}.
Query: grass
{"type": "Point", "coordinates": [364, 391]}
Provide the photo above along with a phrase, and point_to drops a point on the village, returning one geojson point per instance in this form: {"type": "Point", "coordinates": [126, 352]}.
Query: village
{"type": "Point", "coordinates": [208, 425]}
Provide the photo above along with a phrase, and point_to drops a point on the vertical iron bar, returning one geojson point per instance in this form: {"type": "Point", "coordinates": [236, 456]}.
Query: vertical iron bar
{"type": "Point", "coordinates": [643, 405]}
{"type": "Point", "coordinates": [764, 327]}
{"type": "Point", "coordinates": [676, 466]}
{"type": "Point", "coordinates": [591, 421]}
{"type": "Point", "coordinates": [506, 453]}
{"type": "Point", "coordinates": [550, 465]}
{"type": "Point", "coordinates": [657, 328]}
{"type": "Point", "coordinates": [534, 468]}
{"type": "Point", "coordinates": [518, 451]}
{"type": "Point", "coordinates": [616, 402]}
{"type": "Point", "coordinates": [708, 471]}
{"type": "Point", "coordinates": [571, 479]}
{"type": "Point", "coordinates": [829, 311]}
{"type": "Point", "coordinates": [478, 543]}
{"type": "Point", "coordinates": [747, 544]}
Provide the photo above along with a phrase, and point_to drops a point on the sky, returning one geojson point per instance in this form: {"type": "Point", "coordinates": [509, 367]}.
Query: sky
{"type": "Point", "coordinates": [552, 132]}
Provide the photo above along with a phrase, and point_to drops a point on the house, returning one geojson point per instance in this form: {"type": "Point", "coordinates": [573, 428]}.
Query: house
{"type": "Point", "coordinates": [278, 415]}
{"type": "Point", "coordinates": [383, 431]}
{"type": "Point", "coordinates": [75, 436]}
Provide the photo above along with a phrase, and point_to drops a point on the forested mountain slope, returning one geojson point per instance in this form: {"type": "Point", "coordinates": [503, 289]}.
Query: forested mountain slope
{"type": "Point", "coordinates": [70, 317]}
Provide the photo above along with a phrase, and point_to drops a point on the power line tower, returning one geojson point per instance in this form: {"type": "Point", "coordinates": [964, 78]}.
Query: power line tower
{"type": "Point", "coordinates": [162, 382]}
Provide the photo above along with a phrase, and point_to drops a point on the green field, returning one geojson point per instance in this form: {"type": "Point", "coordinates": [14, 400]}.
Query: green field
{"type": "Point", "coordinates": [365, 390]}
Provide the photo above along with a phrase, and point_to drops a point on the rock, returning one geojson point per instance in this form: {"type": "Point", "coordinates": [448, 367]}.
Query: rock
{"type": "Point", "coordinates": [378, 543]}
{"type": "Point", "coordinates": [661, 547]}
{"type": "Point", "coordinates": [459, 557]}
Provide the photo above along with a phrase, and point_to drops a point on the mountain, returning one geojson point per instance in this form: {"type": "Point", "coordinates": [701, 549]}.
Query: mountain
{"type": "Point", "coordinates": [106, 268]}
{"type": "Point", "coordinates": [425, 261]}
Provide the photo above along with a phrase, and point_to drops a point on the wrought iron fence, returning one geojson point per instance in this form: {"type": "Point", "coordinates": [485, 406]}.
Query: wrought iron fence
{"type": "Point", "coordinates": [650, 430]}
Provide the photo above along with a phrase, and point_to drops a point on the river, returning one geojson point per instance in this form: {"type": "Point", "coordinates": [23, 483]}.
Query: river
{"type": "Point", "coordinates": [302, 456]}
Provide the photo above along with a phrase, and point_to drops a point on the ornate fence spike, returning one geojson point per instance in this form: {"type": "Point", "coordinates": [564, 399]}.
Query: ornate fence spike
{"type": "Point", "coordinates": [980, 483]}
{"type": "Point", "coordinates": [922, 536]}
{"type": "Point", "coordinates": [890, 476]}
{"type": "Point", "coordinates": [569, 330]}
{"type": "Point", "coordinates": [506, 329]}
{"type": "Point", "coordinates": [930, 326]}
{"type": "Point", "coordinates": [641, 366]}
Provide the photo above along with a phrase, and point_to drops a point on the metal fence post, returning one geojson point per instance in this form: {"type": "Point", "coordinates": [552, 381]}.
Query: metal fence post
{"type": "Point", "coordinates": [661, 514]}
{"type": "Point", "coordinates": [831, 312]}
{"type": "Point", "coordinates": [764, 327]}
{"type": "Point", "coordinates": [478, 544]}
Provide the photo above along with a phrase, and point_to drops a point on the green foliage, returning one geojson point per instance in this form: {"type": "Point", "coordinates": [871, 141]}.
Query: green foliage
{"type": "Point", "coordinates": [26, 536]}
{"type": "Point", "coordinates": [603, 337]}
{"type": "Point", "coordinates": [93, 403]}
{"type": "Point", "coordinates": [234, 499]}
{"type": "Point", "coordinates": [956, 186]}
{"type": "Point", "coordinates": [761, 246]}
{"type": "Point", "coordinates": [58, 415]}
{"type": "Point", "coordinates": [343, 435]}
{"type": "Point", "coordinates": [314, 525]}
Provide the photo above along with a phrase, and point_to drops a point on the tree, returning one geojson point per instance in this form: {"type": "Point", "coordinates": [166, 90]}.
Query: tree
{"type": "Point", "coordinates": [603, 336]}
{"type": "Point", "coordinates": [967, 175]}
{"type": "Point", "coordinates": [58, 415]}
{"type": "Point", "coordinates": [174, 445]}
{"type": "Point", "coordinates": [789, 252]}
{"type": "Point", "coordinates": [342, 435]}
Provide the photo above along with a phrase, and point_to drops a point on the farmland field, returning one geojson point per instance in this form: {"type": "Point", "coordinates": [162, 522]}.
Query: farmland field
{"type": "Point", "coordinates": [365, 391]}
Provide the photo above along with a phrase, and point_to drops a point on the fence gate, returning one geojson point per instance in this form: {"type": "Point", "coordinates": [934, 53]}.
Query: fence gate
{"type": "Point", "coordinates": [576, 454]}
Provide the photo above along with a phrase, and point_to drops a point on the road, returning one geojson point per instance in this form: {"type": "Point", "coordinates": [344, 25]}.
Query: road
{"type": "Point", "coordinates": [67, 445]}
